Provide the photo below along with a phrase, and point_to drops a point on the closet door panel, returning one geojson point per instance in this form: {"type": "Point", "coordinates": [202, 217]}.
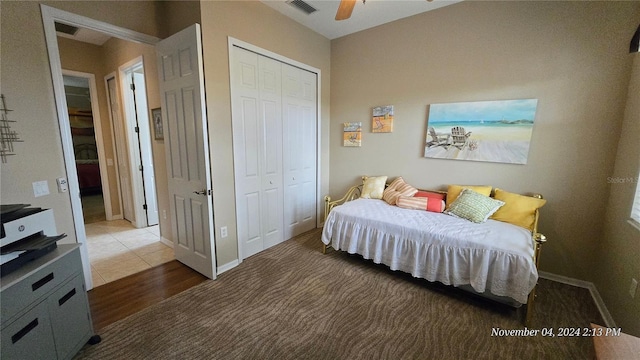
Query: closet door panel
{"type": "Point", "coordinates": [270, 85]}
{"type": "Point", "coordinates": [299, 99]}
{"type": "Point", "coordinates": [247, 132]}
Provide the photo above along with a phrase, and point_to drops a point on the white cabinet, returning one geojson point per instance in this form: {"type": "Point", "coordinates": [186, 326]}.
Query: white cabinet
{"type": "Point", "coordinates": [44, 308]}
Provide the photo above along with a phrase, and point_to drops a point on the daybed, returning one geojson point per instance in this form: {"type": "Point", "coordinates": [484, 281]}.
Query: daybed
{"type": "Point", "coordinates": [495, 259]}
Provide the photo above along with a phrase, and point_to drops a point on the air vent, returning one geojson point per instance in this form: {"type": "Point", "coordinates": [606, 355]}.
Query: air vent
{"type": "Point", "coordinates": [299, 4]}
{"type": "Point", "coordinates": [66, 29]}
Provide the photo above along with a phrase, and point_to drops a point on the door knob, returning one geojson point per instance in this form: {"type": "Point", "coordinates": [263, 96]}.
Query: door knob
{"type": "Point", "coordinates": [202, 192]}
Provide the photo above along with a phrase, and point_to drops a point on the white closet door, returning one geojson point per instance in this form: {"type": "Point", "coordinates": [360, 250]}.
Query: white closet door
{"type": "Point", "coordinates": [271, 142]}
{"type": "Point", "coordinates": [257, 142]}
{"type": "Point", "coordinates": [299, 100]}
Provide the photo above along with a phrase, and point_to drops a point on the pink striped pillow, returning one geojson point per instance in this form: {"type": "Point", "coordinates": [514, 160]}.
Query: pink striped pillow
{"type": "Point", "coordinates": [396, 188]}
{"type": "Point", "coordinates": [420, 203]}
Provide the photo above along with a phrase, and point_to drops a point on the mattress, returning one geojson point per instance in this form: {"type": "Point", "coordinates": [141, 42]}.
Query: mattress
{"type": "Point", "coordinates": [493, 257]}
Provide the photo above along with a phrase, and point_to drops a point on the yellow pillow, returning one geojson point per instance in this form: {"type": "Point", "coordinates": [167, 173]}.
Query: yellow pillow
{"type": "Point", "coordinates": [373, 187]}
{"type": "Point", "coordinates": [454, 191]}
{"type": "Point", "coordinates": [518, 210]}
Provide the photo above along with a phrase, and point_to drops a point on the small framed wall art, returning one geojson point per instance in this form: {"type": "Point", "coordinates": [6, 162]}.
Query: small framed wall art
{"type": "Point", "coordinates": [382, 121]}
{"type": "Point", "coordinates": [156, 115]}
{"type": "Point", "coordinates": [352, 134]}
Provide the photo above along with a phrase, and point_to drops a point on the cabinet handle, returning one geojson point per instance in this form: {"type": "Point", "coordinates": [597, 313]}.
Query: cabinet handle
{"type": "Point", "coordinates": [25, 330]}
{"type": "Point", "coordinates": [38, 284]}
{"type": "Point", "coordinates": [67, 297]}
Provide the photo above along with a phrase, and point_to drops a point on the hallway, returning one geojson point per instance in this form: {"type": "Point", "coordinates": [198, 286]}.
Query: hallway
{"type": "Point", "coordinates": [117, 249]}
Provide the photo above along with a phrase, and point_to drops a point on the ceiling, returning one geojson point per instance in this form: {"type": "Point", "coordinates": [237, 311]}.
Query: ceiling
{"type": "Point", "coordinates": [364, 16]}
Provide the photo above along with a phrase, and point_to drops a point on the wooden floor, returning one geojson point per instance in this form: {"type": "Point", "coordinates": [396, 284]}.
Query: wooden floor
{"type": "Point", "coordinates": [121, 298]}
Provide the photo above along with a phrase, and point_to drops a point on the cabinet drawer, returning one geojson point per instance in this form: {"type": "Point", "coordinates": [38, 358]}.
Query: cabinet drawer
{"type": "Point", "coordinates": [29, 337]}
{"type": "Point", "coordinates": [17, 297]}
{"type": "Point", "coordinates": [70, 319]}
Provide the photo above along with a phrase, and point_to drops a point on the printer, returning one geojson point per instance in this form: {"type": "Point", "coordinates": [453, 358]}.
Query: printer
{"type": "Point", "coordinates": [26, 234]}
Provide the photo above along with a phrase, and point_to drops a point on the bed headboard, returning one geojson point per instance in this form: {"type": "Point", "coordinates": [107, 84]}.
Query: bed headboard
{"type": "Point", "coordinates": [85, 151]}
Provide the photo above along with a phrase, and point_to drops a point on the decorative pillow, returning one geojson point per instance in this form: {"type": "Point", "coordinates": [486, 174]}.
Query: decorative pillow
{"type": "Point", "coordinates": [406, 189]}
{"type": "Point", "coordinates": [396, 188]}
{"type": "Point", "coordinates": [420, 203]}
{"type": "Point", "coordinates": [431, 194]}
{"type": "Point", "coordinates": [518, 210]}
{"type": "Point", "coordinates": [454, 190]}
{"type": "Point", "coordinates": [373, 187]}
{"type": "Point", "coordinates": [473, 206]}
{"type": "Point", "coordinates": [390, 196]}
{"type": "Point", "coordinates": [394, 184]}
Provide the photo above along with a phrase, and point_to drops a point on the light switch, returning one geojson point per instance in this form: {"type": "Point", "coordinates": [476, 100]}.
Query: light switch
{"type": "Point", "coordinates": [40, 188]}
{"type": "Point", "coordinates": [109, 162]}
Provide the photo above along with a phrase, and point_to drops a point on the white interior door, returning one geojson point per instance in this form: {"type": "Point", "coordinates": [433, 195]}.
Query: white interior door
{"type": "Point", "coordinates": [121, 152]}
{"type": "Point", "coordinates": [257, 142]}
{"type": "Point", "coordinates": [181, 80]}
{"type": "Point", "coordinates": [299, 132]}
{"type": "Point", "coordinates": [146, 154]}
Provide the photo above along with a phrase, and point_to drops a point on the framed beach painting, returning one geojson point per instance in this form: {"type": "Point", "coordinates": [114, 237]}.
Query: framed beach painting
{"type": "Point", "coordinates": [352, 134]}
{"type": "Point", "coordinates": [493, 131]}
{"type": "Point", "coordinates": [382, 120]}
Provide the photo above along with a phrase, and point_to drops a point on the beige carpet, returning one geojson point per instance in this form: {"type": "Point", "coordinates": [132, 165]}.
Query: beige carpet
{"type": "Point", "coordinates": [293, 302]}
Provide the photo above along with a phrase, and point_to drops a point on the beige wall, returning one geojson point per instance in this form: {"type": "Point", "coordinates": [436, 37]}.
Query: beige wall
{"type": "Point", "coordinates": [571, 56]}
{"type": "Point", "coordinates": [619, 251]}
{"type": "Point", "coordinates": [176, 15]}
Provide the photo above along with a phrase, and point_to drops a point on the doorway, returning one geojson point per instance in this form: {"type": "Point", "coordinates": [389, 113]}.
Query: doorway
{"type": "Point", "coordinates": [197, 140]}
{"type": "Point", "coordinates": [138, 135]}
{"type": "Point", "coordinates": [86, 135]}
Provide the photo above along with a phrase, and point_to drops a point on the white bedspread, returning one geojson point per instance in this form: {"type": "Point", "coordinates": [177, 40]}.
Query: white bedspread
{"type": "Point", "coordinates": [494, 256]}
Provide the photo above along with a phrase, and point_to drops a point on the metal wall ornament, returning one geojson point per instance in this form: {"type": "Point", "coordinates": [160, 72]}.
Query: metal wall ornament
{"type": "Point", "coordinates": [7, 135]}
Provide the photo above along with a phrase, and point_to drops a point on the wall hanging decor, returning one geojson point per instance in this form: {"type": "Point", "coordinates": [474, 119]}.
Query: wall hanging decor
{"type": "Point", "coordinates": [158, 131]}
{"type": "Point", "coordinates": [493, 131]}
{"type": "Point", "coordinates": [352, 134]}
{"type": "Point", "coordinates": [382, 119]}
{"type": "Point", "coordinates": [7, 136]}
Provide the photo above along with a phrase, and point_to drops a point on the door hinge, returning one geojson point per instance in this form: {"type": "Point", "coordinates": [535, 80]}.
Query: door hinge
{"type": "Point", "coordinates": [144, 206]}
{"type": "Point", "coordinates": [140, 167]}
{"type": "Point", "coordinates": [136, 129]}
{"type": "Point", "coordinates": [133, 87]}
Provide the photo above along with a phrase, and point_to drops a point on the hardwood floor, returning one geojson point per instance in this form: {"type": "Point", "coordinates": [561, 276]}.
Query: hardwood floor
{"type": "Point", "coordinates": [121, 298]}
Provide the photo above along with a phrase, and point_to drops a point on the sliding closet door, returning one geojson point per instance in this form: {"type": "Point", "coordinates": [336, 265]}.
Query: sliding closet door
{"type": "Point", "coordinates": [257, 143]}
{"type": "Point", "coordinates": [300, 126]}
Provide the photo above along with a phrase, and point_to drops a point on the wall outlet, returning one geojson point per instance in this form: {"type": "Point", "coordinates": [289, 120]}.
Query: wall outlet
{"type": "Point", "coordinates": [164, 214]}
{"type": "Point", "coordinates": [633, 288]}
{"type": "Point", "coordinates": [223, 232]}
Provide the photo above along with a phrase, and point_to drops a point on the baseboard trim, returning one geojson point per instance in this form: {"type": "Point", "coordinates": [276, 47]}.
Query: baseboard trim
{"type": "Point", "coordinates": [228, 266]}
{"type": "Point", "coordinates": [604, 312]}
{"type": "Point", "coordinates": [167, 242]}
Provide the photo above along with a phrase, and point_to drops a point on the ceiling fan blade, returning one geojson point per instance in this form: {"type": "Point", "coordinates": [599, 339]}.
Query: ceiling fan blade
{"type": "Point", "coordinates": [345, 9]}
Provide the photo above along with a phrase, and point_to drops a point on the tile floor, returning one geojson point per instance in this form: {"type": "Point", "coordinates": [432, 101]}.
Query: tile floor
{"type": "Point", "coordinates": [117, 249]}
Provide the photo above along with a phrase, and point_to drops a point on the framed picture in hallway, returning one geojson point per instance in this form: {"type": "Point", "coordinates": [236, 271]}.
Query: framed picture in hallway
{"type": "Point", "coordinates": [156, 115]}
